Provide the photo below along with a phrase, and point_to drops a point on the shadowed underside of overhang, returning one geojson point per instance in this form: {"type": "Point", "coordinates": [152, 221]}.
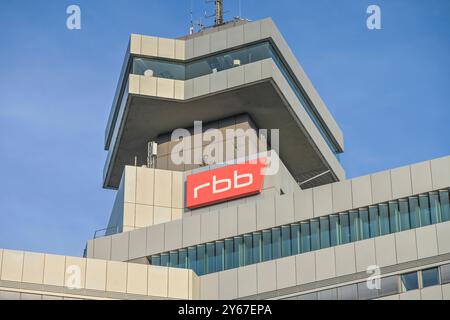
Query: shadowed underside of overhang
{"type": "Point", "coordinates": [148, 117]}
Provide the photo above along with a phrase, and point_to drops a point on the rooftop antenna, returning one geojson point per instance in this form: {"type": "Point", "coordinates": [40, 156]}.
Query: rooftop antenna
{"type": "Point", "coordinates": [218, 13]}
{"type": "Point", "coordinates": [240, 9]}
{"type": "Point", "coordinates": [194, 25]}
{"type": "Point", "coordinates": [191, 27]}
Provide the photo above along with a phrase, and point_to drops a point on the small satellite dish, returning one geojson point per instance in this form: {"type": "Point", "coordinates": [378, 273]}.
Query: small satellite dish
{"type": "Point", "coordinates": [149, 73]}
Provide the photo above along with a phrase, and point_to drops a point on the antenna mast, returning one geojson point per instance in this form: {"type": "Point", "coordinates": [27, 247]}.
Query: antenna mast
{"type": "Point", "coordinates": [191, 25]}
{"type": "Point", "coordinates": [219, 12]}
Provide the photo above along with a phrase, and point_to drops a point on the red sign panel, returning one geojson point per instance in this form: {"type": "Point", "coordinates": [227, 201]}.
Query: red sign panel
{"type": "Point", "coordinates": [224, 184]}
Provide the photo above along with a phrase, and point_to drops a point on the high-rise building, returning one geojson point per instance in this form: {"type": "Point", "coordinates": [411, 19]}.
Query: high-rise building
{"type": "Point", "coordinates": [215, 225]}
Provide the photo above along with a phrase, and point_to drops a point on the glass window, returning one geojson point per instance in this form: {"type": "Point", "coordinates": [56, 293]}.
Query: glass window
{"type": "Point", "coordinates": [348, 292]}
{"type": "Point", "coordinates": [159, 68]}
{"type": "Point", "coordinates": [425, 218]}
{"type": "Point", "coordinates": [210, 258]}
{"type": "Point", "coordinates": [223, 61]}
{"type": "Point", "coordinates": [229, 248]}
{"type": "Point", "coordinates": [330, 294]}
{"type": "Point", "coordinates": [164, 259]}
{"type": "Point", "coordinates": [390, 286]}
{"type": "Point", "coordinates": [308, 296]}
{"type": "Point", "coordinates": [394, 216]}
{"type": "Point", "coordinates": [384, 219]}
{"type": "Point", "coordinates": [354, 226]}
{"type": "Point", "coordinates": [182, 258]}
{"type": "Point", "coordinates": [445, 274]}
{"type": "Point", "coordinates": [445, 206]}
{"type": "Point", "coordinates": [410, 281]}
{"type": "Point", "coordinates": [315, 235]}
{"type": "Point", "coordinates": [276, 243]}
{"type": "Point", "coordinates": [192, 258]}
{"type": "Point", "coordinates": [318, 233]}
{"type": "Point", "coordinates": [208, 66]}
{"type": "Point", "coordinates": [345, 228]}
{"type": "Point", "coordinates": [295, 234]}
{"type": "Point", "coordinates": [430, 277]}
{"type": "Point", "coordinates": [155, 260]}
{"type": "Point", "coordinates": [257, 247]}
{"type": "Point", "coordinates": [220, 256]}
{"type": "Point", "coordinates": [364, 221]}
{"type": "Point", "coordinates": [374, 222]}
{"type": "Point", "coordinates": [324, 232]}
{"type": "Point", "coordinates": [404, 215]}
{"type": "Point", "coordinates": [435, 208]}
{"type": "Point", "coordinates": [414, 211]}
{"type": "Point", "coordinates": [248, 249]}
{"type": "Point", "coordinates": [201, 259]}
{"type": "Point", "coordinates": [306, 237]}
{"type": "Point", "coordinates": [364, 293]}
{"type": "Point", "coordinates": [228, 60]}
{"type": "Point", "coordinates": [238, 252]}
{"type": "Point", "coordinates": [334, 230]}
{"type": "Point", "coordinates": [173, 259]}
{"type": "Point", "coordinates": [286, 249]}
{"type": "Point", "coordinates": [267, 245]}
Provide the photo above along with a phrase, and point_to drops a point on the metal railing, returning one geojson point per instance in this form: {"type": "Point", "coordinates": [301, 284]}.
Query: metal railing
{"type": "Point", "coordinates": [106, 232]}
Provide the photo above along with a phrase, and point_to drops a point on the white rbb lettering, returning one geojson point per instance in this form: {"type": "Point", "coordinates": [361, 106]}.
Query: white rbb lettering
{"type": "Point", "coordinates": [224, 185]}
{"type": "Point", "coordinates": [237, 177]}
{"type": "Point", "coordinates": [196, 189]}
{"type": "Point", "coordinates": [216, 183]}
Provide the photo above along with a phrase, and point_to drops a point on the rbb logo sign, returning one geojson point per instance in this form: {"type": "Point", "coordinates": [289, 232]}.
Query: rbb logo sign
{"type": "Point", "coordinates": [224, 184]}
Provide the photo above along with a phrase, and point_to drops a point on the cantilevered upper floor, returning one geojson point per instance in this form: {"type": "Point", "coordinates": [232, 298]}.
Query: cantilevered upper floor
{"type": "Point", "coordinates": [238, 68]}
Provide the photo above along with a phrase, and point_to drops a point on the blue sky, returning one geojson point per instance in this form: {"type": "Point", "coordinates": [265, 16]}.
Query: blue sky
{"type": "Point", "coordinates": [388, 90]}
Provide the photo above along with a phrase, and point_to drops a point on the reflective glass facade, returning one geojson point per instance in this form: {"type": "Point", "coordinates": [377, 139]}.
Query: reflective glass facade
{"type": "Point", "coordinates": [430, 277]}
{"type": "Point", "coordinates": [205, 65]}
{"type": "Point", "coordinates": [410, 281]}
{"type": "Point", "coordinates": [388, 286]}
{"type": "Point", "coordinates": [226, 60]}
{"type": "Point", "coordinates": [310, 235]}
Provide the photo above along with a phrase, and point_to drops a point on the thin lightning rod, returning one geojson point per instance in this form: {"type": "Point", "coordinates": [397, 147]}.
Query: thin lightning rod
{"type": "Point", "coordinates": [240, 8]}
{"type": "Point", "coordinates": [191, 26]}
